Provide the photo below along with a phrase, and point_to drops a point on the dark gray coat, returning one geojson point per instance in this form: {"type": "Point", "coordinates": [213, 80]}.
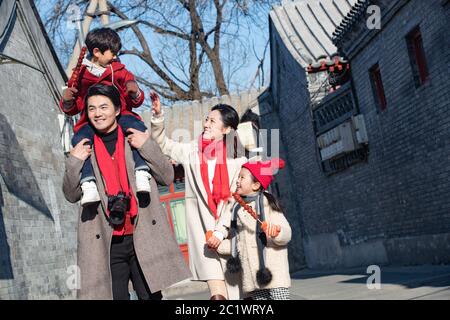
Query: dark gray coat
{"type": "Point", "coordinates": [156, 248]}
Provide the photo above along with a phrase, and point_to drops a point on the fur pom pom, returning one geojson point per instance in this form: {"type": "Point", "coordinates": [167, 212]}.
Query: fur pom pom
{"type": "Point", "coordinates": [234, 265]}
{"type": "Point", "coordinates": [263, 276]}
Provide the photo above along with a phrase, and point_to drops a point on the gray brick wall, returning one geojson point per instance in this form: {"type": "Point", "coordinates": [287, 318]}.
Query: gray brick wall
{"type": "Point", "coordinates": [394, 208]}
{"type": "Point", "coordinates": [37, 225]}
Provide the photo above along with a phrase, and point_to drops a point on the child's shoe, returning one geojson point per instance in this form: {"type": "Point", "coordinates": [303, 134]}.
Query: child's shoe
{"type": "Point", "coordinates": [143, 181]}
{"type": "Point", "coordinates": [90, 193]}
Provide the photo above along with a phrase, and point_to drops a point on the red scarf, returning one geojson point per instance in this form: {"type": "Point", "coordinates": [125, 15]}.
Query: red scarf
{"type": "Point", "coordinates": [208, 149]}
{"type": "Point", "coordinates": [114, 173]}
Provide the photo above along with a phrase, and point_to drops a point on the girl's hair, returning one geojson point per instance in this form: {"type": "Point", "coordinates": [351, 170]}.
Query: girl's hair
{"type": "Point", "coordinates": [273, 201]}
{"type": "Point", "coordinates": [103, 39]}
{"type": "Point", "coordinates": [103, 90]}
{"type": "Point", "coordinates": [230, 117]}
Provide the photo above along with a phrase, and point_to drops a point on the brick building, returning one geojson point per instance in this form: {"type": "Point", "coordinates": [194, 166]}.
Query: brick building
{"type": "Point", "coordinates": [37, 225]}
{"type": "Point", "coordinates": [368, 163]}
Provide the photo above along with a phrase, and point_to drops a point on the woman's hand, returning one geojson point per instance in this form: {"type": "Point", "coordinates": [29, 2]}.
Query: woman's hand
{"type": "Point", "coordinates": [137, 138]}
{"type": "Point", "coordinates": [213, 243]}
{"type": "Point", "coordinates": [156, 103]}
{"type": "Point", "coordinates": [81, 151]}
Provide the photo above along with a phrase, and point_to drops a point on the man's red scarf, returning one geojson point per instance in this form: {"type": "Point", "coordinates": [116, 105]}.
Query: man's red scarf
{"type": "Point", "coordinates": [208, 150]}
{"type": "Point", "coordinates": [114, 173]}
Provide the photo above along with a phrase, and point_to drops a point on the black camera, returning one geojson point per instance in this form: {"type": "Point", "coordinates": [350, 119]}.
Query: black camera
{"type": "Point", "coordinates": [118, 205]}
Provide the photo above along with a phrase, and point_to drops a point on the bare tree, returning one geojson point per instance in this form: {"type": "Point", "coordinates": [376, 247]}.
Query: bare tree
{"type": "Point", "coordinates": [193, 48]}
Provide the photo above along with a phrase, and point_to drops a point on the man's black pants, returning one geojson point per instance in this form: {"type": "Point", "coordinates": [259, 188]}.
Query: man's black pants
{"type": "Point", "coordinates": [125, 266]}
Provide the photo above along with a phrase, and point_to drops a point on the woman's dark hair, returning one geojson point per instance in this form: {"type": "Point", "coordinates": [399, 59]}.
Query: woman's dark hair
{"type": "Point", "coordinates": [103, 90]}
{"type": "Point", "coordinates": [230, 117]}
{"type": "Point", "coordinates": [103, 39]}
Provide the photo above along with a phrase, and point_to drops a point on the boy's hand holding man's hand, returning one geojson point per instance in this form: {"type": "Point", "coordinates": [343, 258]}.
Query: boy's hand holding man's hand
{"type": "Point", "coordinates": [137, 138]}
{"type": "Point", "coordinates": [69, 94]}
{"type": "Point", "coordinates": [132, 89]}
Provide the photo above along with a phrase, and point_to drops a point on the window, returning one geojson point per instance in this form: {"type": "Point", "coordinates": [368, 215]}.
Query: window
{"type": "Point", "coordinates": [177, 209]}
{"type": "Point", "coordinates": [377, 86]}
{"type": "Point", "coordinates": [417, 56]}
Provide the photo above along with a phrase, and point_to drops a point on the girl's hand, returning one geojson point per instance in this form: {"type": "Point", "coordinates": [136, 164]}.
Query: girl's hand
{"type": "Point", "coordinates": [81, 151]}
{"type": "Point", "coordinates": [271, 230]}
{"type": "Point", "coordinates": [156, 103]}
{"type": "Point", "coordinates": [137, 138]}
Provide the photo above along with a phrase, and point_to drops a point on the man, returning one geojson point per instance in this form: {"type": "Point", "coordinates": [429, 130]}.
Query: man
{"type": "Point", "coordinates": [123, 237]}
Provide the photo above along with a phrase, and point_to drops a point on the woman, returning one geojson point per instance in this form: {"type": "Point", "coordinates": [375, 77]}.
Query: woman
{"type": "Point", "coordinates": [211, 171]}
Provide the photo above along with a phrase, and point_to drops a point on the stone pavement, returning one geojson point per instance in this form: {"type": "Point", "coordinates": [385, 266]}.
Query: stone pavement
{"type": "Point", "coordinates": [397, 283]}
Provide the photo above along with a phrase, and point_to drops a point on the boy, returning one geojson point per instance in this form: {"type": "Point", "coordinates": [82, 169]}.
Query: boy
{"type": "Point", "coordinates": [102, 67]}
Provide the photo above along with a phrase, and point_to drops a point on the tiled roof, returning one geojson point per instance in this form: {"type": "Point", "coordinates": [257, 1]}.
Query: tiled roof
{"type": "Point", "coordinates": [306, 26]}
{"type": "Point", "coordinates": [355, 15]}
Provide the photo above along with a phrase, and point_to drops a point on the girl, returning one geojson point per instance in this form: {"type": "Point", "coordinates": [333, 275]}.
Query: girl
{"type": "Point", "coordinates": [211, 171]}
{"type": "Point", "coordinates": [259, 234]}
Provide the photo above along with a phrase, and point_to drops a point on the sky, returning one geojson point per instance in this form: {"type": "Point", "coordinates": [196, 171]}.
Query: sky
{"type": "Point", "coordinates": [257, 36]}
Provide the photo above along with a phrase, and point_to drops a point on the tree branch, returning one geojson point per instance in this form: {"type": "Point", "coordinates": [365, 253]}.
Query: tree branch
{"type": "Point", "coordinates": [147, 56]}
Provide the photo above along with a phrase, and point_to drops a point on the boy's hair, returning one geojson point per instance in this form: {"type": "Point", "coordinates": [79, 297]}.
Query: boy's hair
{"type": "Point", "coordinates": [103, 39]}
{"type": "Point", "coordinates": [110, 92]}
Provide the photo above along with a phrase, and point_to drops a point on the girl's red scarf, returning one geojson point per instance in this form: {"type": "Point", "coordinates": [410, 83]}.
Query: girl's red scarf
{"type": "Point", "coordinates": [114, 173]}
{"type": "Point", "coordinates": [208, 150]}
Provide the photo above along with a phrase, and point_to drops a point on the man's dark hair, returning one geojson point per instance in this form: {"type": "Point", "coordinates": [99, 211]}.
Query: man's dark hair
{"type": "Point", "coordinates": [230, 117]}
{"type": "Point", "coordinates": [249, 115]}
{"type": "Point", "coordinates": [103, 39]}
{"type": "Point", "coordinates": [103, 90]}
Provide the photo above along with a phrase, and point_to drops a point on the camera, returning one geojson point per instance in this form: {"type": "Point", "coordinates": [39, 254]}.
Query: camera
{"type": "Point", "coordinates": [118, 205]}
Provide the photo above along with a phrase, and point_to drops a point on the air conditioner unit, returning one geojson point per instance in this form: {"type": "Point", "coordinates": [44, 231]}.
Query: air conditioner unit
{"type": "Point", "coordinates": [360, 129]}
{"type": "Point", "coordinates": [345, 143]}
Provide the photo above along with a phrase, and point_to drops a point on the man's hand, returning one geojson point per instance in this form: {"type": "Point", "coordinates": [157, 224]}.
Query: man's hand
{"type": "Point", "coordinates": [81, 151]}
{"type": "Point", "coordinates": [156, 103]}
{"type": "Point", "coordinates": [132, 89]}
{"type": "Point", "coordinates": [69, 94]}
{"type": "Point", "coordinates": [137, 138]}
{"type": "Point", "coordinates": [271, 230]}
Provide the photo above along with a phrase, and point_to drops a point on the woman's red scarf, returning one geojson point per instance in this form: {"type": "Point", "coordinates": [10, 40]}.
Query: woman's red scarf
{"type": "Point", "coordinates": [115, 173]}
{"type": "Point", "coordinates": [208, 150]}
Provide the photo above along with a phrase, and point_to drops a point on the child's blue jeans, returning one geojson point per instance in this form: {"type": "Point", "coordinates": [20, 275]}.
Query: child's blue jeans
{"type": "Point", "coordinates": [126, 122]}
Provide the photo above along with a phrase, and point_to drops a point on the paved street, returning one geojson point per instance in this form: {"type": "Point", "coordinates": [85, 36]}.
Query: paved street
{"type": "Point", "coordinates": [397, 283]}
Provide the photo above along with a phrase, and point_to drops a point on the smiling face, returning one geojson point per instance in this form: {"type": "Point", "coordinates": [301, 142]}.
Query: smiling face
{"type": "Point", "coordinates": [213, 128]}
{"type": "Point", "coordinates": [245, 184]}
{"type": "Point", "coordinates": [102, 114]}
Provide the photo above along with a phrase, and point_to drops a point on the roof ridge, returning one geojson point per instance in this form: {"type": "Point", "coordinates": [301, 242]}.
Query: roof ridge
{"type": "Point", "coordinates": [350, 20]}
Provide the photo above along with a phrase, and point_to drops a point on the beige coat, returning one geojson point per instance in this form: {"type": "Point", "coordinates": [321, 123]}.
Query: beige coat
{"type": "Point", "coordinates": [156, 248]}
{"type": "Point", "coordinates": [204, 263]}
{"type": "Point", "coordinates": [276, 259]}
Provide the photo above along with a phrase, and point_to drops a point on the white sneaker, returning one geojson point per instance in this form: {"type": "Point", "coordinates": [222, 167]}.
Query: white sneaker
{"type": "Point", "coordinates": [143, 181]}
{"type": "Point", "coordinates": [90, 193]}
